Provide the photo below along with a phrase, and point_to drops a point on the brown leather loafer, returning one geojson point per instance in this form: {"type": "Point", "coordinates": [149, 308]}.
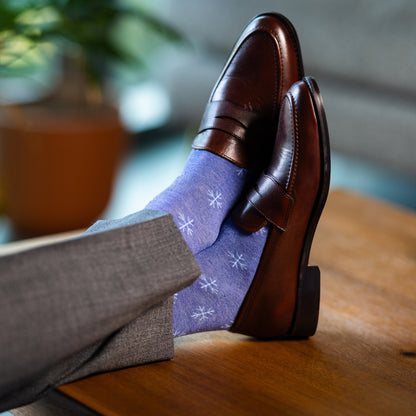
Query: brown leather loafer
{"type": "Point", "coordinates": [283, 300]}
{"type": "Point", "coordinates": [240, 119]}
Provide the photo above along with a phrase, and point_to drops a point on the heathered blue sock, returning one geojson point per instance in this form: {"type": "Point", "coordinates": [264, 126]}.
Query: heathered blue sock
{"type": "Point", "coordinates": [201, 197]}
{"type": "Point", "coordinates": [200, 200]}
{"type": "Point", "coordinates": [228, 267]}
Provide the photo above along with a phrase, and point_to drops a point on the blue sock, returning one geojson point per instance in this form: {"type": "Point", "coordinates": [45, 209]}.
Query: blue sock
{"type": "Point", "coordinates": [200, 200]}
{"type": "Point", "coordinates": [201, 197]}
{"type": "Point", "coordinates": [228, 267]}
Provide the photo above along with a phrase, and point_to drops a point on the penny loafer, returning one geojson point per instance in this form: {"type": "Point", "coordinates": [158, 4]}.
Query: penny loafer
{"type": "Point", "coordinates": [240, 119]}
{"type": "Point", "coordinates": [283, 300]}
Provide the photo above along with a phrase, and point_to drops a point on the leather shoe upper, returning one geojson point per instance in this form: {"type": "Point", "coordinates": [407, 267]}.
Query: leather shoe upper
{"type": "Point", "coordinates": [293, 173]}
{"type": "Point", "coordinates": [290, 195]}
{"type": "Point", "coordinates": [241, 116]}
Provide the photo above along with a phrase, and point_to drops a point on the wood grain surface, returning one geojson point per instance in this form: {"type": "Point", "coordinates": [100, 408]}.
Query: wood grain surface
{"type": "Point", "coordinates": [362, 360]}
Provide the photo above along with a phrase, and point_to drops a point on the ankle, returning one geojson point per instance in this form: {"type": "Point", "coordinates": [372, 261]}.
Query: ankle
{"type": "Point", "coordinates": [200, 198]}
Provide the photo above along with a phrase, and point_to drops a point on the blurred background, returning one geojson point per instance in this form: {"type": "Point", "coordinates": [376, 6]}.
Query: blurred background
{"type": "Point", "coordinates": [100, 100]}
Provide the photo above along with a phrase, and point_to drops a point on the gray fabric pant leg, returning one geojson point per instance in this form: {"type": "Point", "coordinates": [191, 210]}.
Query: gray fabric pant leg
{"type": "Point", "coordinates": [95, 303]}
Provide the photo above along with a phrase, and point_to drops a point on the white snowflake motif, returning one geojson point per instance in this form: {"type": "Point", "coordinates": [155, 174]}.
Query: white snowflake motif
{"type": "Point", "coordinates": [177, 333]}
{"type": "Point", "coordinates": [186, 224]}
{"type": "Point", "coordinates": [262, 231]}
{"type": "Point", "coordinates": [208, 284]}
{"type": "Point", "coordinates": [202, 314]}
{"type": "Point", "coordinates": [241, 172]}
{"type": "Point", "coordinates": [226, 326]}
{"type": "Point", "coordinates": [214, 199]}
{"type": "Point", "coordinates": [237, 261]}
{"type": "Point", "coordinates": [175, 297]}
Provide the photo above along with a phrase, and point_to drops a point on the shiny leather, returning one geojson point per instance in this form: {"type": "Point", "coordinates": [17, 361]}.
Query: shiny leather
{"type": "Point", "coordinates": [241, 116]}
{"type": "Point", "coordinates": [289, 195]}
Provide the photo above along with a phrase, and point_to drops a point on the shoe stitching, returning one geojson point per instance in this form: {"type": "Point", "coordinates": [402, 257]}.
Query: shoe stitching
{"type": "Point", "coordinates": [292, 150]}
{"type": "Point", "coordinates": [295, 138]}
{"type": "Point", "coordinates": [277, 96]}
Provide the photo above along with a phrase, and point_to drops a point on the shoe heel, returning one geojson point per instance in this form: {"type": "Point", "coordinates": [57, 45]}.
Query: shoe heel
{"type": "Point", "coordinates": [307, 305]}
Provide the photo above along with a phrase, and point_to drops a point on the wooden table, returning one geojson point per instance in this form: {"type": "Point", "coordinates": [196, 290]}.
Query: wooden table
{"type": "Point", "coordinates": [362, 361]}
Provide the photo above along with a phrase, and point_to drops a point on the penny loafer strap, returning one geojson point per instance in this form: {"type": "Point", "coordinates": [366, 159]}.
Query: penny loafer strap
{"type": "Point", "coordinates": [227, 116]}
{"type": "Point", "coordinates": [223, 131]}
{"type": "Point", "coordinates": [272, 201]}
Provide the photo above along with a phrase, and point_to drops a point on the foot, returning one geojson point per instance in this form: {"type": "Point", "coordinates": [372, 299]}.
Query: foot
{"type": "Point", "coordinates": [255, 278]}
{"type": "Point", "coordinates": [290, 196]}
{"type": "Point", "coordinates": [237, 130]}
{"type": "Point", "coordinates": [240, 119]}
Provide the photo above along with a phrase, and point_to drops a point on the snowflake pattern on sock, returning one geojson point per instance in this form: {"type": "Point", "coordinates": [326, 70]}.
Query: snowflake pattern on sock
{"type": "Point", "coordinates": [262, 231]}
{"type": "Point", "coordinates": [177, 333]}
{"type": "Point", "coordinates": [227, 267]}
{"type": "Point", "coordinates": [237, 260]}
{"type": "Point", "coordinates": [214, 198]}
{"type": "Point", "coordinates": [200, 199]}
{"type": "Point", "coordinates": [202, 313]}
{"type": "Point", "coordinates": [186, 224]}
{"type": "Point", "coordinates": [208, 284]}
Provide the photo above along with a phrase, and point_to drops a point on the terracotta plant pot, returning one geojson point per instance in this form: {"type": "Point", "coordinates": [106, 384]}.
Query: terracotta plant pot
{"type": "Point", "coordinates": [58, 166]}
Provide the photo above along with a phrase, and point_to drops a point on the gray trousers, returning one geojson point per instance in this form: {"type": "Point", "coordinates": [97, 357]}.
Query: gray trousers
{"type": "Point", "coordinates": [99, 302]}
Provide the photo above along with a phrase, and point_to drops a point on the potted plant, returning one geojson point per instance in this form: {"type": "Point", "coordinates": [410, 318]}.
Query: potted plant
{"type": "Point", "coordinates": [58, 155]}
